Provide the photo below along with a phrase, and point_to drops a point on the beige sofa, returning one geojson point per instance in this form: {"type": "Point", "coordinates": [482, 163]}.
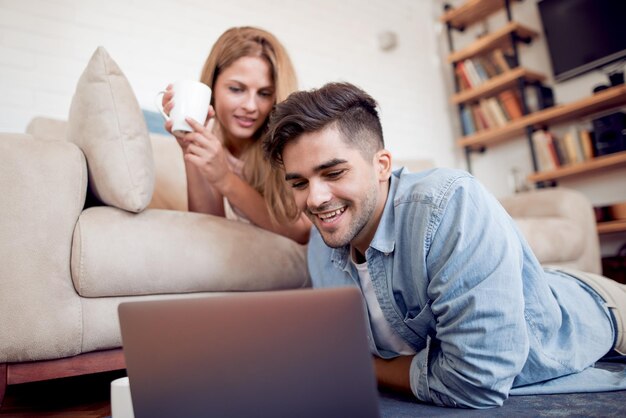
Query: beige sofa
{"type": "Point", "coordinates": [560, 226]}
{"type": "Point", "coordinates": [81, 231]}
{"type": "Point", "coordinates": [66, 265]}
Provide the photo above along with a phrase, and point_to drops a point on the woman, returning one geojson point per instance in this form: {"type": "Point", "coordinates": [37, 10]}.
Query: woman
{"type": "Point", "coordinates": [248, 71]}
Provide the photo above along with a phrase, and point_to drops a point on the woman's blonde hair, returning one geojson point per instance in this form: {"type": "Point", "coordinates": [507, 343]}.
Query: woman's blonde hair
{"type": "Point", "coordinates": [248, 41]}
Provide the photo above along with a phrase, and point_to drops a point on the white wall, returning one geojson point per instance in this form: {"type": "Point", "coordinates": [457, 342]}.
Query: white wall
{"type": "Point", "coordinates": [493, 167]}
{"type": "Point", "coordinates": [45, 45]}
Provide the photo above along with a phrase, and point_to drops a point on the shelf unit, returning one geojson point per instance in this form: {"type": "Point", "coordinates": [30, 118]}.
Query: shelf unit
{"type": "Point", "coordinates": [595, 164]}
{"type": "Point", "coordinates": [612, 226]}
{"type": "Point", "coordinates": [506, 37]}
{"type": "Point", "coordinates": [471, 12]}
{"type": "Point", "coordinates": [497, 84]}
{"type": "Point", "coordinates": [498, 39]}
{"type": "Point", "coordinates": [604, 100]}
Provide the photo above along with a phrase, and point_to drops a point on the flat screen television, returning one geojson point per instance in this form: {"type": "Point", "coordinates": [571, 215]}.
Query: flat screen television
{"type": "Point", "coordinates": [583, 35]}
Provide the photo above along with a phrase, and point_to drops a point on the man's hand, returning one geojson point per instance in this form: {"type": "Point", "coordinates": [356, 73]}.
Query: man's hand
{"type": "Point", "coordinates": [394, 374]}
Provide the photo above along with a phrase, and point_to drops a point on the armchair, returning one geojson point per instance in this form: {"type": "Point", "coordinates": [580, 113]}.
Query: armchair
{"type": "Point", "coordinates": [560, 227]}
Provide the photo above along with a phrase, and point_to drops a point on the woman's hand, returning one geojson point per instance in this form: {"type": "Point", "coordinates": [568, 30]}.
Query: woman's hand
{"type": "Point", "coordinates": [168, 104]}
{"type": "Point", "coordinates": [205, 151]}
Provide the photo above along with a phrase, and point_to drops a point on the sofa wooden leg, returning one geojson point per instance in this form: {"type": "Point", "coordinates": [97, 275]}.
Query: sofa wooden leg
{"type": "Point", "coordinates": [34, 371]}
{"type": "Point", "coordinates": [3, 381]}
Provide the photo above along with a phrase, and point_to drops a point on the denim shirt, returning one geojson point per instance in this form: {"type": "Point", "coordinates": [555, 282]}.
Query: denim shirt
{"type": "Point", "coordinates": [456, 279]}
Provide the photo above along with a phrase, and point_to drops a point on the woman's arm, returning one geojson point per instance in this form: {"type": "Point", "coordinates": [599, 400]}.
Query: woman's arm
{"type": "Point", "coordinates": [212, 174]}
{"type": "Point", "coordinates": [252, 204]}
{"type": "Point", "coordinates": [202, 197]}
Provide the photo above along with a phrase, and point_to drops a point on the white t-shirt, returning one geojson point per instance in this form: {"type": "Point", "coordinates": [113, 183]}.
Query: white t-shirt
{"type": "Point", "coordinates": [386, 337]}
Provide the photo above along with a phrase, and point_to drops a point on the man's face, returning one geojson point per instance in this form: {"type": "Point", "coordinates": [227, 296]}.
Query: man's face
{"type": "Point", "coordinates": [336, 187]}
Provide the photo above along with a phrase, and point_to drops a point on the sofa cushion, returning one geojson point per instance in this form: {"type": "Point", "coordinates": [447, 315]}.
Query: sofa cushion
{"type": "Point", "coordinates": [116, 253]}
{"type": "Point", "coordinates": [105, 121]}
{"type": "Point", "coordinates": [170, 180]}
{"type": "Point", "coordinates": [559, 225]}
{"type": "Point", "coordinates": [47, 129]}
{"type": "Point", "coordinates": [553, 240]}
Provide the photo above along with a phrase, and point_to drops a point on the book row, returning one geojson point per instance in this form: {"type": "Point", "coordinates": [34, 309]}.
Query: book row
{"type": "Point", "coordinates": [473, 72]}
{"type": "Point", "coordinates": [491, 112]}
{"type": "Point", "coordinates": [552, 151]}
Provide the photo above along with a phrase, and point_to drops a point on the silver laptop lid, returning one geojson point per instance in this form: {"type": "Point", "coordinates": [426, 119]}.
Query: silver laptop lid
{"type": "Point", "coordinates": [295, 353]}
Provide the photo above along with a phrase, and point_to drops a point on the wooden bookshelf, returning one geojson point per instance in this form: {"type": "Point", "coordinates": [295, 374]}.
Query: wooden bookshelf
{"type": "Point", "coordinates": [595, 164]}
{"type": "Point", "coordinates": [604, 100]}
{"type": "Point", "coordinates": [470, 12]}
{"type": "Point", "coordinates": [611, 226]}
{"type": "Point", "coordinates": [500, 38]}
{"type": "Point", "coordinates": [496, 84]}
{"type": "Point", "coordinates": [507, 38]}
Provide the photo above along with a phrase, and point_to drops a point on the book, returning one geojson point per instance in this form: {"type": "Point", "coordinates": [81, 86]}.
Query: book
{"type": "Point", "coordinates": [500, 60]}
{"type": "Point", "coordinates": [580, 156]}
{"type": "Point", "coordinates": [497, 112]}
{"type": "Point", "coordinates": [507, 117]}
{"type": "Point", "coordinates": [511, 103]}
{"type": "Point", "coordinates": [467, 122]}
{"type": "Point", "coordinates": [560, 150]}
{"type": "Point", "coordinates": [464, 81]}
{"type": "Point", "coordinates": [489, 66]}
{"type": "Point", "coordinates": [587, 144]}
{"type": "Point", "coordinates": [488, 113]}
{"type": "Point", "coordinates": [569, 140]}
{"type": "Point", "coordinates": [473, 117]}
{"type": "Point", "coordinates": [471, 72]}
{"type": "Point", "coordinates": [552, 148]}
{"type": "Point", "coordinates": [544, 156]}
{"type": "Point", "coordinates": [460, 83]}
{"type": "Point", "coordinates": [482, 73]}
{"type": "Point", "coordinates": [479, 118]}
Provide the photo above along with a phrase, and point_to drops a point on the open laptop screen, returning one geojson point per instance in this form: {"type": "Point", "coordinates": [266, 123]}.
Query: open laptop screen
{"type": "Point", "coordinates": [295, 353]}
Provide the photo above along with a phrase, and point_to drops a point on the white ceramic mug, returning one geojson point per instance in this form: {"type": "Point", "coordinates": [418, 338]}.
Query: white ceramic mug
{"type": "Point", "coordinates": [191, 100]}
{"type": "Point", "coordinates": [121, 401]}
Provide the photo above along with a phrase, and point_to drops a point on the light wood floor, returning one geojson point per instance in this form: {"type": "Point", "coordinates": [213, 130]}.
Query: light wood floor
{"type": "Point", "coordinates": [82, 396]}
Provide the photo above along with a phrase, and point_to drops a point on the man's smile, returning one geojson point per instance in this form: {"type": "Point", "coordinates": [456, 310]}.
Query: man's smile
{"type": "Point", "coordinates": [330, 216]}
{"type": "Point", "coordinates": [327, 216]}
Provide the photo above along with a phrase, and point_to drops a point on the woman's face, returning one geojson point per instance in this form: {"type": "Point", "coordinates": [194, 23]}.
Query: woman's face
{"type": "Point", "coordinates": [243, 98]}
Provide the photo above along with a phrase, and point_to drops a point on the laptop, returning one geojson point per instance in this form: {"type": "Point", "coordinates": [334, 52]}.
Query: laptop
{"type": "Point", "coordinates": [291, 353]}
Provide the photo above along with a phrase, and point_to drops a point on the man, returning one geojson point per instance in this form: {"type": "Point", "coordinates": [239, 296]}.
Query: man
{"type": "Point", "coordinates": [460, 311]}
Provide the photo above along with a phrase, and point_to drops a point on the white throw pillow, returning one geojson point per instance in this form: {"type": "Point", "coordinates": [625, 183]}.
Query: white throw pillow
{"type": "Point", "coordinates": [106, 122]}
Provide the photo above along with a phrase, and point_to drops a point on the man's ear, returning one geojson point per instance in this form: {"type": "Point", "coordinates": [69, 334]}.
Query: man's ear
{"type": "Point", "coordinates": [382, 162]}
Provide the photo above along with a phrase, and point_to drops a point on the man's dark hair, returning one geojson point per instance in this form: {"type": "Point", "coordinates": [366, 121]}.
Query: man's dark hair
{"type": "Point", "coordinates": [346, 106]}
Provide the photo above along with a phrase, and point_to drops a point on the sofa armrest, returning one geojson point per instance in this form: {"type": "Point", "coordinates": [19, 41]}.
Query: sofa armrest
{"type": "Point", "coordinates": [559, 224]}
{"type": "Point", "coordinates": [43, 187]}
{"type": "Point", "coordinates": [116, 253]}
{"type": "Point", "coordinates": [170, 186]}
